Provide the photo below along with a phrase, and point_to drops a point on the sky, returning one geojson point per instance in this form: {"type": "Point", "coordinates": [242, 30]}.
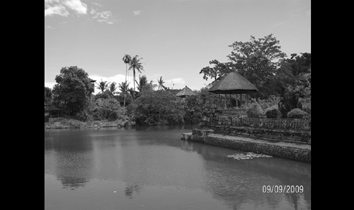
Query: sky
{"type": "Point", "coordinates": [174, 38]}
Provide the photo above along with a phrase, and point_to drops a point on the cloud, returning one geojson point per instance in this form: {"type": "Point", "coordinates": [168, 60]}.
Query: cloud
{"type": "Point", "coordinates": [59, 7]}
{"type": "Point", "coordinates": [97, 4]}
{"type": "Point", "coordinates": [137, 12]}
{"type": "Point", "coordinates": [105, 16]}
{"type": "Point", "coordinates": [76, 5]}
{"type": "Point", "coordinates": [56, 10]}
{"type": "Point", "coordinates": [50, 27]}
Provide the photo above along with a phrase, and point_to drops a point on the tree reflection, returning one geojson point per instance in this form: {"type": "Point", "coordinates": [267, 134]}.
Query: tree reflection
{"type": "Point", "coordinates": [72, 182]}
{"type": "Point", "coordinates": [73, 157]}
{"type": "Point", "coordinates": [130, 189]}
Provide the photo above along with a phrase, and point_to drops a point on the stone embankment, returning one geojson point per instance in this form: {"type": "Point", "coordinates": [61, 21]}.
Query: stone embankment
{"type": "Point", "coordinates": [291, 151]}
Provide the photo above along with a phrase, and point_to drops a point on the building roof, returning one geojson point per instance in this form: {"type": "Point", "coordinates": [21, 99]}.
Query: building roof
{"type": "Point", "coordinates": [233, 83]}
{"type": "Point", "coordinates": [186, 91]}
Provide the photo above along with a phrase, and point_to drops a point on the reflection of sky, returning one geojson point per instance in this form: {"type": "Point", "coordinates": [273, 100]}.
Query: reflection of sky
{"type": "Point", "coordinates": [239, 183]}
{"type": "Point", "coordinates": [138, 164]}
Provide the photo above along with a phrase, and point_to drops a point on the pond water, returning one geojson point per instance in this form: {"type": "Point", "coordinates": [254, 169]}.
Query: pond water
{"type": "Point", "coordinates": [151, 168]}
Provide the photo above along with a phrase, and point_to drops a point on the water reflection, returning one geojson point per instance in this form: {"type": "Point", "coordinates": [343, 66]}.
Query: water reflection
{"type": "Point", "coordinates": [240, 182]}
{"type": "Point", "coordinates": [141, 158]}
{"type": "Point", "coordinates": [130, 189]}
{"type": "Point", "coordinates": [73, 160]}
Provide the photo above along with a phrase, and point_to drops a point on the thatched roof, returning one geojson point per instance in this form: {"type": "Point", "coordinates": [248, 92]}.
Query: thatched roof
{"type": "Point", "coordinates": [186, 91]}
{"type": "Point", "coordinates": [233, 83]}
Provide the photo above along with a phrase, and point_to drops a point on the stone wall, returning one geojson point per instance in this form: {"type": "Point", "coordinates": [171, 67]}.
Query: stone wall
{"type": "Point", "coordinates": [291, 153]}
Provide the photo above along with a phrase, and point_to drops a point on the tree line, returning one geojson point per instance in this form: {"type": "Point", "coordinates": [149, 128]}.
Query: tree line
{"type": "Point", "coordinates": [282, 82]}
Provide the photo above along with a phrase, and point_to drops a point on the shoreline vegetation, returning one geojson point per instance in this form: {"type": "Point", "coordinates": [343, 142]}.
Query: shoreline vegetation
{"type": "Point", "coordinates": [69, 123]}
{"type": "Point", "coordinates": [283, 91]}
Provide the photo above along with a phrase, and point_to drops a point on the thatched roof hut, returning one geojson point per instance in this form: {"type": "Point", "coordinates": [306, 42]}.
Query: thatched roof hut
{"type": "Point", "coordinates": [186, 91]}
{"type": "Point", "coordinates": [233, 83]}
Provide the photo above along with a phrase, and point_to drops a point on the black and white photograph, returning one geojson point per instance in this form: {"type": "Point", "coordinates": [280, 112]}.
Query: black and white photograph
{"type": "Point", "coordinates": [177, 104]}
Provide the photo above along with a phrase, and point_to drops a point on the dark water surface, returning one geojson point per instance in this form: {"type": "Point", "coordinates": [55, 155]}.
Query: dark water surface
{"type": "Point", "coordinates": [151, 168]}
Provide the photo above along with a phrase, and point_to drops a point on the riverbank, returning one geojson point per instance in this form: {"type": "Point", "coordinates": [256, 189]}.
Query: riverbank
{"type": "Point", "coordinates": [67, 123]}
{"type": "Point", "coordinates": [291, 151]}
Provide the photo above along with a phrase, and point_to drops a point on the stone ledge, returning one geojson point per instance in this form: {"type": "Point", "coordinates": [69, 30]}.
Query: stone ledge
{"type": "Point", "coordinates": [291, 151]}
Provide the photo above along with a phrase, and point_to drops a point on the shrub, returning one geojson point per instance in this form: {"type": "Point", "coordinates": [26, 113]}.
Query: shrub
{"type": "Point", "coordinates": [156, 107]}
{"type": "Point", "coordinates": [297, 113]}
{"type": "Point", "coordinates": [272, 112]}
{"type": "Point", "coordinates": [255, 110]}
{"type": "Point", "coordinates": [306, 104]}
{"type": "Point", "coordinates": [83, 116]}
{"type": "Point", "coordinates": [269, 102]}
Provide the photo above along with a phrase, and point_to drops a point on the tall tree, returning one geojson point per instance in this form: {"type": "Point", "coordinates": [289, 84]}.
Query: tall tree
{"type": "Point", "coordinates": [47, 94]}
{"type": "Point", "coordinates": [102, 85]}
{"type": "Point", "coordinates": [142, 82]}
{"type": "Point", "coordinates": [123, 87]}
{"type": "Point", "coordinates": [257, 60]}
{"type": "Point", "coordinates": [144, 85]}
{"type": "Point", "coordinates": [135, 65]}
{"type": "Point", "coordinates": [126, 59]}
{"type": "Point", "coordinates": [72, 89]}
{"type": "Point", "coordinates": [160, 82]}
{"type": "Point", "coordinates": [113, 88]}
{"type": "Point", "coordinates": [219, 70]}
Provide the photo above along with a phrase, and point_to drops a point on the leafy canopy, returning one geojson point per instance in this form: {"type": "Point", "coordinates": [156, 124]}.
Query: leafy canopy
{"type": "Point", "coordinates": [72, 89]}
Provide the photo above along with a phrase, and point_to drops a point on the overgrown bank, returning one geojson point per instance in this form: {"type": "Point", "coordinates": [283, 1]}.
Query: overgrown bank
{"type": "Point", "coordinates": [67, 123]}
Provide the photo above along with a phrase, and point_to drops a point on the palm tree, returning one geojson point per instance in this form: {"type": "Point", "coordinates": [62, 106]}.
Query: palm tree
{"type": "Point", "coordinates": [123, 87]}
{"type": "Point", "coordinates": [103, 85]}
{"type": "Point", "coordinates": [142, 83]}
{"type": "Point", "coordinates": [131, 92]}
{"type": "Point", "coordinates": [160, 82]}
{"type": "Point", "coordinates": [126, 59]}
{"type": "Point", "coordinates": [113, 88]}
{"type": "Point", "coordinates": [135, 65]}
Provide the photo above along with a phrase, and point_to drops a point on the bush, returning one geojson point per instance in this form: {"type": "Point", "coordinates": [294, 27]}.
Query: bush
{"type": "Point", "coordinates": [255, 111]}
{"type": "Point", "coordinates": [156, 107]}
{"type": "Point", "coordinates": [269, 102]}
{"type": "Point", "coordinates": [106, 109]}
{"type": "Point", "coordinates": [272, 112]}
{"type": "Point", "coordinates": [83, 116]}
{"type": "Point", "coordinates": [297, 113]}
{"type": "Point", "coordinates": [306, 104]}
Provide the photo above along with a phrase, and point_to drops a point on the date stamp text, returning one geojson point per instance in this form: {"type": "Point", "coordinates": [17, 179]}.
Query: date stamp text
{"type": "Point", "coordinates": [283, 189]}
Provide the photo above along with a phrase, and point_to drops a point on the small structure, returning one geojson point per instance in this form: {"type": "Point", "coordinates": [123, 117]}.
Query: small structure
{"type": "Point", "coordinates": [186, 91]}
{"type": "Point", "coordinates": [233, 83]}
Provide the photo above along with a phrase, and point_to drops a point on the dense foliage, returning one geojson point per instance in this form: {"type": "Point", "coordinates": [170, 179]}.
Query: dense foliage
{"type": "Point", "coordinates": [284, 86]}
{"type": "Point", "coordinates": [72, 90]}
{"type": "Point", "coordinates": [47, 95]}
{"type": "Point", "coordinates": [156, 107]}
{"type": "Point", "coordinates": [255, 110]}
{"type": "Point", "coordinates": [202, 105]}
{"type": "Point", "coordinates": [263, 63]}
